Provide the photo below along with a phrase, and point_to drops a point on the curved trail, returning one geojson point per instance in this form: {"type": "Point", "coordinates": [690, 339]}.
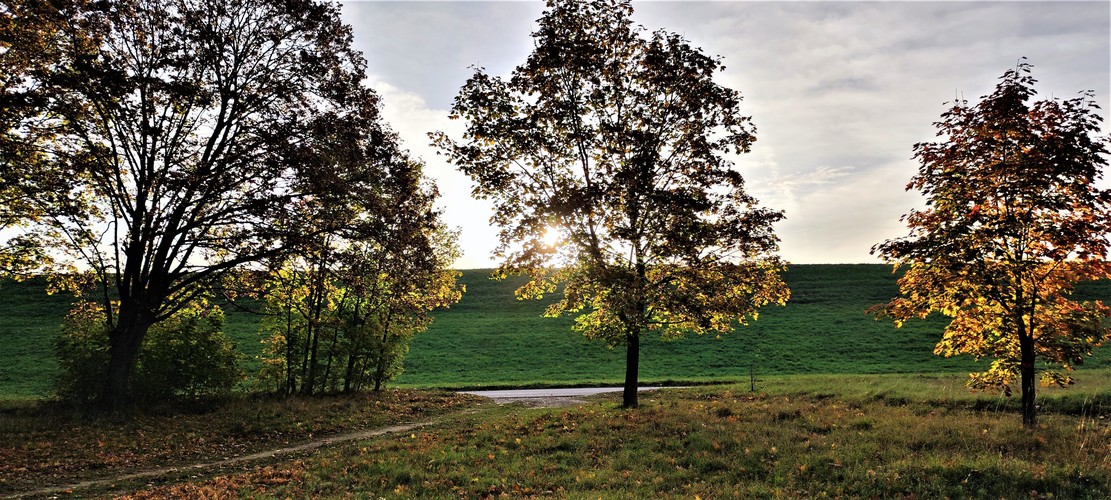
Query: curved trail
{"type": "Point", "coordinates": [309, 446]}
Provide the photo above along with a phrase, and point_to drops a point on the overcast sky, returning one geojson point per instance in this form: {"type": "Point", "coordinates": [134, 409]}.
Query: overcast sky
{"type": "Point", "coordinates": [839, 92]}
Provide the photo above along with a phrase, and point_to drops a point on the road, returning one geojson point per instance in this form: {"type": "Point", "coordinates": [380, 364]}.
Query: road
{"type": "Point", "coordinates": [573, 392]}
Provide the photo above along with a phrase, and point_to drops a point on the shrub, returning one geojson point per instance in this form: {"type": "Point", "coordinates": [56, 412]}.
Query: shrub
{"type": "Point", "coordinates": [186, 355]}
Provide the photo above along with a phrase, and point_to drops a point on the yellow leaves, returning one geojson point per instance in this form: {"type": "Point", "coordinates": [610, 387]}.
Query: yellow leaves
{"type": "Point", "coordinates": [990, 306]}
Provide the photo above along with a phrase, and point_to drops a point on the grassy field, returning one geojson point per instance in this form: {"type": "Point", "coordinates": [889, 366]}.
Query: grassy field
{"type": "Point", "coordinates": [490, 339]}
{"type": "Point", "coordinates": [855, 436]}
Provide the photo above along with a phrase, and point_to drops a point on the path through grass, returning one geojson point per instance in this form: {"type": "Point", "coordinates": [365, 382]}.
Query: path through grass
{"type": "Point", "coordinates": [47, 445]}
{"type": "Point", "coordinates": [715, 442]}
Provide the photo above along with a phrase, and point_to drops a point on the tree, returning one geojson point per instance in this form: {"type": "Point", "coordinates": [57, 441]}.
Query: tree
{"type": "Point", "coordinates": [344, 308]}
{"type": "Point", "coordinates": [349, 320]}
{"type": "Point", "coordinates": [1013, 220]}
{"type": "Point", "coordinates": [170, 142]}
{"type": "Point", "coordinates": [31, 34]}
{"type": "Point", "coordinates": [604, 154]}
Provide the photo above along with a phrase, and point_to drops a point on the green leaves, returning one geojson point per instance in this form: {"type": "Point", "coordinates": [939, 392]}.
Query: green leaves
{"type": "Point", "coordinates": [617, 139]}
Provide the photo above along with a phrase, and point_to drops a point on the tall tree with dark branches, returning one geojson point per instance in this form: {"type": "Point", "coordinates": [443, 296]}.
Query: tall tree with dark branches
{"type": "Point", "coordinates": [605, 154]}
{"type": "Point", "coordinates": [165, 143]}
{"type": "Point", "coordinates": [1013, 220]}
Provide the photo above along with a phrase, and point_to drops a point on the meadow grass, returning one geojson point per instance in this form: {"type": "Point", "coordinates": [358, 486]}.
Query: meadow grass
{"type": "Point", "coordinates": [880, 436]}
{"type": "Point", "coordinates": [50, 444]}
{"type": "Point", "coordinates": [29, 320]}
{"type": "Point", "coordinates": [490, 339]}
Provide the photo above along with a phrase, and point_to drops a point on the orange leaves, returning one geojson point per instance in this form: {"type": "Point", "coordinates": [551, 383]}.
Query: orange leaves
{"type": "Point", "coordinates": [1014, 220]}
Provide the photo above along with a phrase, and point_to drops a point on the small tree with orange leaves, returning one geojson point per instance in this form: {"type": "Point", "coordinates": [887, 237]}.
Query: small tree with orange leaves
{"type": "Point", "coordinates": [1013, 220]}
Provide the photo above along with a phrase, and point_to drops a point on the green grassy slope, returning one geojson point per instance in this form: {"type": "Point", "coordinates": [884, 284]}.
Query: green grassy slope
{"type": "Point", "coordinates": [29, 319]}
{"type": "Point", "coordinates": [491, 339]}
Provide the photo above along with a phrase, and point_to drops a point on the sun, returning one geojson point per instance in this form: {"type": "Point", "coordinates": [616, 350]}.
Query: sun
{"type": "Point", "coordinates": [551, 236]}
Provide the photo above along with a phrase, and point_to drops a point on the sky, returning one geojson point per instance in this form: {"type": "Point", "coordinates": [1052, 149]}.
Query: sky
{"type": "Point", "coordinates": [839, 92]}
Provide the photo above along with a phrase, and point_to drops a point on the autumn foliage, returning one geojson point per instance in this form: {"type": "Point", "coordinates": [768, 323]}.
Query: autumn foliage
{"type": "Point", "coordinates": [618, 142]}
{"type": "Point", "coordinates": [159, 147]}
{"type": "Point", "coordinates": [1013, 220]}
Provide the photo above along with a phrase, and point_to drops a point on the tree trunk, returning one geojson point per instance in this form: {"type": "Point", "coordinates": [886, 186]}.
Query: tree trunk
{"type": "Point", "coordinates": [308, 386]}
{"type": "Point", "coordinates": [1029, 384]}
{"type": "Point", "coordinates": [331, 356]}
{"type": "Point", "coordinates": [349, 374]}
{"type": "Point", "coordinates": [632, 335]}
{"type": "Point", "coordinates": [124, 341]}
{"type": "Point", "coordinates": [290, 359]}
{"type": "Point", "coordinates": [380, 366]}
{"type": "Point", "coordinates": [632, 367]}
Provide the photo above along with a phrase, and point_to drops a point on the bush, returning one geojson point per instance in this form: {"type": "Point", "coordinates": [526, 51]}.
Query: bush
{"type": "Point", "coordinates": [186, 355]}
{"type": "Point", "coordinates": [82, 353]}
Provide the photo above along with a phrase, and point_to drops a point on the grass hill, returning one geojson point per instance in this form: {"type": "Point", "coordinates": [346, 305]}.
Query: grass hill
{"type": "Point", "coordinates": [490, 339]}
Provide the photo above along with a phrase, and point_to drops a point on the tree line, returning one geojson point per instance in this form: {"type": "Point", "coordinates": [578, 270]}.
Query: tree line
{"type": "Point", "coordinates": [180, 150]}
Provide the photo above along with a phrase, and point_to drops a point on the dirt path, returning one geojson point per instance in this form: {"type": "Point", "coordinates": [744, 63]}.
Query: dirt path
{"type": "Point", "coordinates": [309, 446]}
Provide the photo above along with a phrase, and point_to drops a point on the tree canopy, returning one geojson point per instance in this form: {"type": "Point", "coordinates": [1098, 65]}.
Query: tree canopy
{"type": "Point", "coordinates": [343, 308]}
{"type": "Point", "coordinates": [606, 155]}
{"type": "Point", "coordinates": [1013, 220]}
{"type": "Point", "coordinates": [164, 143]}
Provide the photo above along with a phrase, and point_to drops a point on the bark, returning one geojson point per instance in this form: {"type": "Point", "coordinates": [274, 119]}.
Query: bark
{"type": "Point", "coordinates": [380, 366]}
{"type": "Point", "coordinates": [1029, 384]}
{"type": "Point", "coordinates": [308, 386]}
{"type": "Point", "coordinates": [632, 367]}
{"type": "Point", "coordinates": [290, 359]}
{"type": "Point", "coordinates": [331, 356]}
{"type": "Point", "coordinates": [349, 374]}
{"type": "Point", "coordinates": [632, 340]}
{"type": "Point", "coordinates": [124, 342]}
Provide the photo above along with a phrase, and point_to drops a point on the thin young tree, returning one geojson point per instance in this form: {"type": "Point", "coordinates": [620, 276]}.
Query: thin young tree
{"type": "Point", "coordinates": [1013, 220]}
{"type": "Point", "coordinates": [343, 310]}
{"type": "Point", "coordinates": [605, 155]}
{"type": "Point", "coordinates": [172, 141]}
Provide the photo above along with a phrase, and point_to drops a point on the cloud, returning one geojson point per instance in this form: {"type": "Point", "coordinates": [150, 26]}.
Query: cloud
{"type": "Point", "coordinates": [839, 92]}
{"type": "Point", "coordinates": [412, 118]}
{"type": "Point", "coordinates": [428, 48]}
